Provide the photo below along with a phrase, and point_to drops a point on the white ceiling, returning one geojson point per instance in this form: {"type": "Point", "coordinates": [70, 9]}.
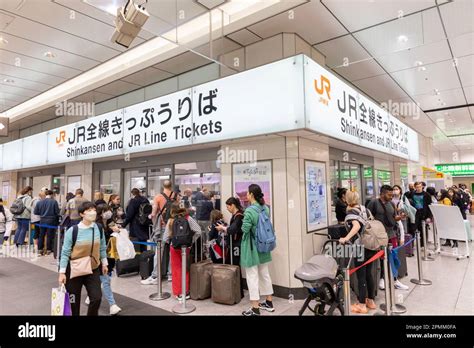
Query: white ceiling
{"type": "Point", "coordinates": [382, 40]}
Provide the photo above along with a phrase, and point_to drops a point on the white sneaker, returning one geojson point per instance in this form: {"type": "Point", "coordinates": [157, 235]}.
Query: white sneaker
{"type": "Point", "coordinates": [398, 285]}
{"type": "Point", "coordinates": [170, 278]}
{"type": "Point", "coordinates": [114, 309]}
{"type": "Point", "coordinates": [149, 281]}
{"type": "Point", "coordinates": [382, 284]}
{"type": "Point", "coordinates": [87, 301]}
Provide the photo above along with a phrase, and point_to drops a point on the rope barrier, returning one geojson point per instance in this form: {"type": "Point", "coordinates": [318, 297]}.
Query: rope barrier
{"type": "Point", "coordinates": [144, 243]}
{"type": "Point", "coordinates": [378, 255]}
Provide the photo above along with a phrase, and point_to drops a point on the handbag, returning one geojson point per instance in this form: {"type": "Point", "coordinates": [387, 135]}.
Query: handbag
{"type": "Point", "coordinates": [83, 265]}
{"type": "Point", "coordinates": [60, 302]}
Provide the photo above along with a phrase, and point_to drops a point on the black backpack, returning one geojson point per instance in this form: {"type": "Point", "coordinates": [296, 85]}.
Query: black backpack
{"type": "Point", "coordinates": [165, 213]}
{"type": "Point", "coordinates": [144, 210]}
{"type": "Point", "coordinates": [182, 233]}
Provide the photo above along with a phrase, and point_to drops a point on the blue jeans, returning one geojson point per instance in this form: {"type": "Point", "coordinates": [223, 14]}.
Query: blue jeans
{"type": "Point", "coordinates": [21, 231]}
{"type": "Point", "coordinates": [107, 289]}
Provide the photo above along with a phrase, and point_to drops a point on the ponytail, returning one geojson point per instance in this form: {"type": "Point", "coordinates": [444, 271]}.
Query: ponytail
{"type": "Point", "coordinates": [257, 193]}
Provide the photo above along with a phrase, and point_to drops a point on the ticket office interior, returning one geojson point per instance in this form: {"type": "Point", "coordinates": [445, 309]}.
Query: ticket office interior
{"type": "Point", "coordinates": [357, 172]}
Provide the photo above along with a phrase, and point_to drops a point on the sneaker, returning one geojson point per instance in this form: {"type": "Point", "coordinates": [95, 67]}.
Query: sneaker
{"type": "Point", "coordinates": [266, 306]}
{"type": "Point", "coordinates": [370, 304]}
{"type": "Point", "coordinates": [114, 309]}
{"type": "Point", "coordinates": [179, 297]}
{"type": "Point", "coordinates": [251, 312]}
{"type": "Point", "coordinates": [149, 281]}
{"type": "Point", "coordinates": [382, 284]}
{"type": "Point", "coordinates": [87, 301]}
{"type": "Point", "coordinates": [398, 285]}
{"type": "Point", "coordinates": [359, 308]}
{"type": "Point", "coordinates": [169, 277]}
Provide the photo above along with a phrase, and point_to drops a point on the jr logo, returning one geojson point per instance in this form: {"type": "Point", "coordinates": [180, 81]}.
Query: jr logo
{"type": "Point", "coordinates": [324, 88]}
{"type": "Point", "coordinates": [61, 138]}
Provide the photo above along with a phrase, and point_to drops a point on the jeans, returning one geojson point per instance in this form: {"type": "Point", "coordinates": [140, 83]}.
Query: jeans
{"type": "Point", "coordinates": [92, 284]}
{"type": "Point", "coordinates": [107, 289]}
{"type": "Point", "coordinates": [20, 234]}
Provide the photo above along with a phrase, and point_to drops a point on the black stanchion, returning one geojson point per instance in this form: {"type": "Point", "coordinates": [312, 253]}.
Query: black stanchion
{"type": "Point", "coordinates": [184, 307]}
{"type": "Point", "coordinates": [160, 295]}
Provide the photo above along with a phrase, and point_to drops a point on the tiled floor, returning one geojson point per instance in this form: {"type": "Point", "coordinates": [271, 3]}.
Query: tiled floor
{"type": "Point", "coordinates": [452, 291]}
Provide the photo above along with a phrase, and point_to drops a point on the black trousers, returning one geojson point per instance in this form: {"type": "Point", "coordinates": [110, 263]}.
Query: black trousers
{"type": "Point", "coordinates": [93, 287]}
{"type": "Point", "coordinates": [49, 234]}
{"type": "Point", "coordinates": [365, 278]}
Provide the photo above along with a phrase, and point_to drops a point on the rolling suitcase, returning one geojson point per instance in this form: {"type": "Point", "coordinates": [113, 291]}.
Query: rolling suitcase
{"type": "Point", "coordinates": [146, 263]}
{"type": "Point", "coordinates": [402, 269]}
{"type": "Point", "coordinates": [200, 277]}
{"type": "Point", "coordinates": [128, 266]}
{"type": "Point", "coordinates": [225, 283]}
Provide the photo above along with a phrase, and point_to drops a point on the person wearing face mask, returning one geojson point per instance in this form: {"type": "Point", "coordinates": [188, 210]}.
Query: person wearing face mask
{"type": "Point", "coordinates": [81, 241]}
{"type": "Point", "coordinates": [105, 223]}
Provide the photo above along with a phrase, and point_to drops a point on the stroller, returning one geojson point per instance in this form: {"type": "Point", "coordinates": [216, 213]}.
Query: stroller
{"type": "Point", "coordinates": [323, 277]}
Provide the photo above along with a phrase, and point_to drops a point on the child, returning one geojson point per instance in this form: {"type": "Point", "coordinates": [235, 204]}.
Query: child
{"type": "Point", "coordinates": [216, 238]}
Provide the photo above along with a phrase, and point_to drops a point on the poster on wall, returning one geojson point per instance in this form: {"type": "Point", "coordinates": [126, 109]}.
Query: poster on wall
{"type": "Point", "coordinates": [259, 173]}
{"type": "Point", "coordinates": [316, 196]}
{"type": "Point", "coordinates": [5, 192]}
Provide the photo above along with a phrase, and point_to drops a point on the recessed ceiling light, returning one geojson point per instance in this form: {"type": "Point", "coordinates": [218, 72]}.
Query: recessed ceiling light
{"type": "Point", "coordinates": [3, 40]}
{"type": "Point", "coordinates": [49, 54]}
{"type": "Point", "coordinates": [436, 91]}
{"type": "Point", "coordinates": [402, 38]}
{"type": "Point", "coordinates": [8, 80]}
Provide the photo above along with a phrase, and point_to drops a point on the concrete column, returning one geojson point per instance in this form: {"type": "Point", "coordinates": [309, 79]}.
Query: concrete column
{"type": "Point", "coordinates": [84, 169]}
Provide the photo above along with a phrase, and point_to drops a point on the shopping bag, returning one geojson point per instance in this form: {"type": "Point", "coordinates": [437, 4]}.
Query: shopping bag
{"type": "Point", "coordinates": [125, 248]}
{"type": "Point", "coordinates": [60, 303]}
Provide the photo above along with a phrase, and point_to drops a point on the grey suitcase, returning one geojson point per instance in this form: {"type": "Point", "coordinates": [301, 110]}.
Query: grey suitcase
{"type": "Point", "coordinates": [200, 278]}
{"type": "Point", "coordinates": [225, 282]}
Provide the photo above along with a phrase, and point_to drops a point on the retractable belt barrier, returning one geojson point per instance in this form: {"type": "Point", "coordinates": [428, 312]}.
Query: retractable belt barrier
{"type": "Point", "coordinates": [143, 243]}
{"type": "Point", "coordinates": [46, 226]}
{"type": "Point", "coordinates": [378, 255]}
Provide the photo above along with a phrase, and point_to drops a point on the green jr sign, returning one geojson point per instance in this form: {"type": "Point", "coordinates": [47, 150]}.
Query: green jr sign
{"type": "Point", "coordinates": [456, 169]}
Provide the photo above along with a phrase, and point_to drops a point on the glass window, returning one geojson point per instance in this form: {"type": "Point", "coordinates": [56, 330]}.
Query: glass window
{"type": "Point", "coordinates": [368, 183]}
{"type": "Point", "coordinates": [134, 179]}
{"type": "Point", "coordinates": [156, 177]}
{"type": "Point", "coordinates": [109, 182]}
{"type": "Point", "coordinates": [58, 187]}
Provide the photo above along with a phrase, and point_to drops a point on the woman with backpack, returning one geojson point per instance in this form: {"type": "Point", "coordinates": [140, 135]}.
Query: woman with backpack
{"type": "Point", "coordinates": [6, 222]}
{"type": "Point", "coordinates": [83, 260]}
{"type": "Point", "coordinates": [254, 262]}
{"type": "Point", "coordinates": [138, 210]}
{"type": "Point", "coordinates": [179, 216]}
{"type": "Point", "coordinates": [355, 221]}
{"type": "Point", "coordinates": [21, 209]}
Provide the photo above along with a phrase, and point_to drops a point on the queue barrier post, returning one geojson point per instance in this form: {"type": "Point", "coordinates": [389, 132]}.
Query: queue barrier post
{"type": "Point", "coordinates": [183, 307]}
{"type": "Point", "coordinates": [387, 306]}
{"type": "Point", "coordinates": [420, 280]}
{"type": "Point", "coordinates": [160, 295]}
{"type": "Point", "coordinates": [395, 308]}
{"type": "Point", "coordinates": [347, 292]}
{"type": "Point", "coordinates": [425, 248]}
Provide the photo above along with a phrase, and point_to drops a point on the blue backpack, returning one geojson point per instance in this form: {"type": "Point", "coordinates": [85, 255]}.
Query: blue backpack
{"type": "Point", "coordinates": [265, 235]}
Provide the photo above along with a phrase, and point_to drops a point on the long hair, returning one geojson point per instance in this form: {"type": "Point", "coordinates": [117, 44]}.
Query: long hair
{"type": "Point", "coordinates": [111, 198]}
{"type": "Point", "coordinates": [234, 201]}
{"type": "Point", "coordinates": [257, 193]}
{"type": "Point", "coordinates": [216, 215]}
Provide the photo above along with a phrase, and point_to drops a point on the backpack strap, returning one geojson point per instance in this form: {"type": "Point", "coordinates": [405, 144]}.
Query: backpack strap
{"type": "Point", "coordinates": [75, 232]}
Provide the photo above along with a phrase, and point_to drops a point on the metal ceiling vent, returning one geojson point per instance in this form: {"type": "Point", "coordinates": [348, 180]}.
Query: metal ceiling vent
{"type": "Point", "coordinates": [210, 4]}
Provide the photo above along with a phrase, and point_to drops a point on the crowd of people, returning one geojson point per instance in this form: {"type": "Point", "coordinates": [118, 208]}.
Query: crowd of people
{"type": "Point", "coordinates": [87, 258]}
{"type": "Point", "coordinates": [401, 214]}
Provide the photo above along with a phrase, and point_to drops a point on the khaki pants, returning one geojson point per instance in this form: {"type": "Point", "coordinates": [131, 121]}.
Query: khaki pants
{"type": "Point", "coordinates": [259, 281]}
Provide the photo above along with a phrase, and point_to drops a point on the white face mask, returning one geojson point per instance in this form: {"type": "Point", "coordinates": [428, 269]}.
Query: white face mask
{"type": "Point", "coordinates": [90, 215]}
{"type": "Point", "coordinates": [107, 215]}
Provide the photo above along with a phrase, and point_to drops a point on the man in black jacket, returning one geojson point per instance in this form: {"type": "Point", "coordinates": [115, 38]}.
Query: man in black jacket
{"type": "Point", "coordinates": [421, 200]}
{"type": "Point", "coordinates": [48, 211]}
{"type": "Point", "coordinates": [137, 230]}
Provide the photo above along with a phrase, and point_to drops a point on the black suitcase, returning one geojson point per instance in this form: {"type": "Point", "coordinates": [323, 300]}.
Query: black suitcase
{"type": "Point", "coordinates": [337, 231]}
{"type": "Point", "coordinates": [147, 262]}
{"type": "Point", "coordinates": [128, 266]}
{"type": "Point", "coordinates": [402, 269]}
{"type": "Point", "coordinates": [165, 260]}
